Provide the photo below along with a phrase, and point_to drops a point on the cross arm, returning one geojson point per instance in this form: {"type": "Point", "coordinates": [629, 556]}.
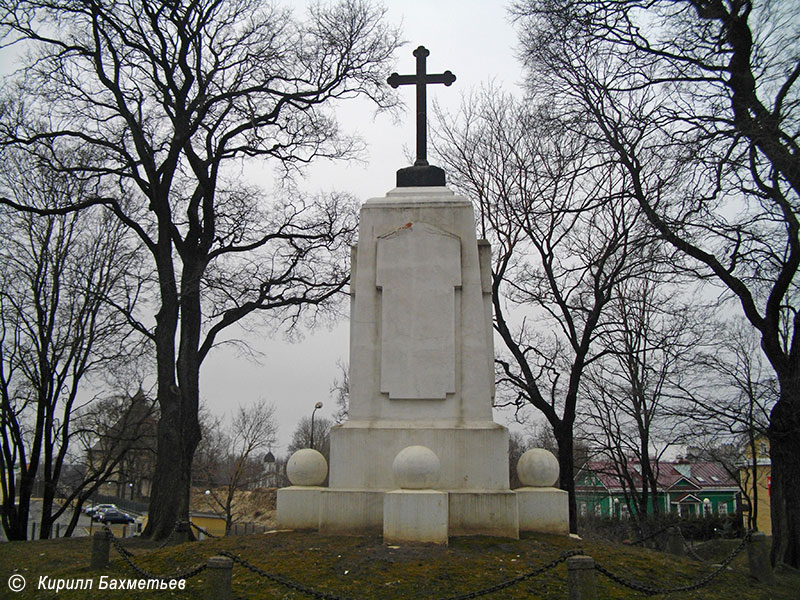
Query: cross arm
{"type": "Point", "coordinates": [396, 80]}
{"type": "Point", "coordinates": [446, 78]}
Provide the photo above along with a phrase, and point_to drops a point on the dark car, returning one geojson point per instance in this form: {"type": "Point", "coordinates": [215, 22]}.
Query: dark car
{"type": "Point", "coordinates": [98, 508]}
{"type": "Point", "coordinates": [115, 516]}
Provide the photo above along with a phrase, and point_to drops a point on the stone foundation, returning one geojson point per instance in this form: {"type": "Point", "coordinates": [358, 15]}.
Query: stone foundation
{"type": "Point", "coordinates": [543, 509]}
{"type": "Point", "coordinates": [415, 516]}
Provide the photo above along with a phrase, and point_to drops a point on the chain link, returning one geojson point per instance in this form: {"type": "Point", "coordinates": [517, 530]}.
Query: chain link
{"type": "Point", "coordinates": [201, 530]}
{"type": "Point", "coordinates": [169, 536]}
{"type": "Point", "coordinates": [521, 578]}
{"type": "Point", "coordinates": [281, 580]}
{"type": "Point", "coordinates": [647, 537]}
{"type": "Point", "coordinates": [127, 556]}
{"type": "Point", "coordinates": [649, 591]}
{"type": "Point", "coordinates": [689, 547]}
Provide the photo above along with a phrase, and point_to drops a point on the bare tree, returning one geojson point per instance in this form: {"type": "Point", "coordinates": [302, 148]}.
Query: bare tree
{"type": "Point", "coordinates": [174, 96]}
{"type": "Point", "coordinates": [56, 328]}
{"type": "Point", "coordinates": [699, 101]}
{"type": "Point", "coordinates": [113, 441]}
{"type": "Point", "coordinates": [231, 458]}
{"type": "Point", "coordinates": [731, 416]}
{"type": "Point", "coordinates": [518, 444]}
{"type": "Point", "coordinates": [340, 389]}
{"type": "Point", "coordinates": [320, 440]}
{"type": "Point", "coordinates": [564, 236]}
{"type": "Point", "coordinates": [651, 358]}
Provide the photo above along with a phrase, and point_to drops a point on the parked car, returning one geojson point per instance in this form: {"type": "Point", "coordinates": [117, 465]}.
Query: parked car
{"type": "Point", "coordinates": [93, 510]}
{"type": "Point", "coordinates": [115, 516]}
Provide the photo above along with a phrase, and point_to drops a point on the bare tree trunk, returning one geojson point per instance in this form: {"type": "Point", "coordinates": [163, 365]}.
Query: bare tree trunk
{"type": "Point", "coordinates": [753, 517]}
{"type": "Point", "coordinates": [164, 511]}
{"type": "Point", "coordinates": [566, 463]}
{"type": "Point", "coordinates": [784, 438]}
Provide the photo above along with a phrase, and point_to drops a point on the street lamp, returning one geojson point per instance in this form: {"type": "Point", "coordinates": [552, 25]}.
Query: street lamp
{"type": "Point", "coordinates": [317, 406]}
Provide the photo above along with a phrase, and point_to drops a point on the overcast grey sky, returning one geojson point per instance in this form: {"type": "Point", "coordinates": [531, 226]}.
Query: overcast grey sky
{"type": "Point", "coordinates": [474, 39]}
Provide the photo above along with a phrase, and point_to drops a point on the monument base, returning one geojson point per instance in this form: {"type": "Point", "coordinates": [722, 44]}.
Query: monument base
{"type": "Point", "coordinates": [402, 515]}
{"type": "Point", "coordinates": [415, 516]}
{"type": "Point", "coordinates": [484, 512]}
{"type": "Point", "coordinates": [350, 512]}
{"type": "Point", "coordinates": [298, 507]}
{"type": "Point", "coordinates": [543, 509]}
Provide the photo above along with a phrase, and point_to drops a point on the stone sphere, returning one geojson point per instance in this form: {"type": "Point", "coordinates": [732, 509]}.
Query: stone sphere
{"type": "Point", "coordinates": [416, 468]}
{"type": "Point", "coordinates": [307, 467]}
{"type": "Point", "coordinates": [537, 468]}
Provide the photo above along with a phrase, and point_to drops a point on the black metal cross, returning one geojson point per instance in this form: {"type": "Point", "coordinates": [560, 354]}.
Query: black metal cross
{"type": "Point", "coordinates": [421, 79]}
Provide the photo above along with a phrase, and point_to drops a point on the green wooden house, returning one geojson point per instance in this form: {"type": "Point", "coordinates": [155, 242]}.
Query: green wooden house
{"type": "Point", "coordinates": [685, 488]}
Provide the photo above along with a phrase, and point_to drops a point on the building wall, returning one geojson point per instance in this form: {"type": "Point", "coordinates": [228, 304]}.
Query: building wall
{"type": "Point", "coordinates": [601, 504]}
{"type": "Point", "coordinates": [761, 484]}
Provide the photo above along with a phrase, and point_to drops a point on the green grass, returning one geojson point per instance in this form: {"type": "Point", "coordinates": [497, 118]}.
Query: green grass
{"type": "Point", "coordinates": [362, 567]}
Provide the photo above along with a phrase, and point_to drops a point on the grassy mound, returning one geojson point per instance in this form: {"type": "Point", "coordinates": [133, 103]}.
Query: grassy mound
{"type": "Point", "coordinates": [363, 567]}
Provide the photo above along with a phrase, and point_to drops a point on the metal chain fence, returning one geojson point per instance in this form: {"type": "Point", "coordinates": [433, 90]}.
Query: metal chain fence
{"type": "Point", "coordinates": [476, 594]}
{"type": "Point", "coordinates": [648, 537]}
{"type": "Point", "coordinates": [304, 589]}
{"type": "Point", "coordinates": [293, 585]}
{"type": "Point", "coordinates": [689, 548]}
{"type": "Point", "coordinates": [201, 530]}
{"type": "Point", "coordinates": [127, 556]}
{"type": "Point", "coordinates": [650, 591]}
{"type": "Point", "coordinates": [169, 537]}
{"type": "Point", "coordinates": [519, 579]}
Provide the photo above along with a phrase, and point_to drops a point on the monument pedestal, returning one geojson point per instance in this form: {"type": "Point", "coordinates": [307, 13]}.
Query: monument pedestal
{"type": "Point", "coordinates": [484, 512]}
{"type": "Point", "coordinates": [351, 511]}
{"type": "Point", "coordinates": [298, 506]}
{"type": "Point", "coordinates": [415, 516]}
{"type": "Point", "coordinates": [543, 509]}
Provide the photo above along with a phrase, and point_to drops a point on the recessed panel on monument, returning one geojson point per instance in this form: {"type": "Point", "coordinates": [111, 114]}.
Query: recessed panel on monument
{"type": "Point", "coordinates": [418, 270]}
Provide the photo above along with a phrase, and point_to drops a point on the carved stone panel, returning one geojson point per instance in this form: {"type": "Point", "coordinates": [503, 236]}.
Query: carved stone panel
{"type": "Point", "coordinates": [418, 269]}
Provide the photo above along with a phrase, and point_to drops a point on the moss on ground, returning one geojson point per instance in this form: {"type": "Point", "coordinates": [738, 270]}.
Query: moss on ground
{"type": "Point", "coordinates": [362, 567]}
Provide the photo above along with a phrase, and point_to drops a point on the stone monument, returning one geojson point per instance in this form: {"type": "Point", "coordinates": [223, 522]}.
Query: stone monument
{"type": "Point", "coordinates": [420, 456]}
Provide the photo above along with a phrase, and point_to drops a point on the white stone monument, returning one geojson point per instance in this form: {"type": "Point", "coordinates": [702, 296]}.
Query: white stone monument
{"type": "Point", "coordinates": [420, 456]}
{"type": "Point", "coordinates": [421, 365]}
{"type": "Point", "coordinates": [421, 373]}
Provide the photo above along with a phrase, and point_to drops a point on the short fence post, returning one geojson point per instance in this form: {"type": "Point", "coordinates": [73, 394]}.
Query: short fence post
{"type": "Point", "coordinates": [758, 558]}
{"type": "Point", "coordinates": [182, 532]}
{"type": "Point", "coordinates": [58, 530]}
{"type": "Point", "coordinates": [101, 547]}
{"type": "Point", "coordinates": [218, 580]}
{"type": "Point", "coordinates": [675, 542]}
{"type": "Point", "coordinates": [580, 578]}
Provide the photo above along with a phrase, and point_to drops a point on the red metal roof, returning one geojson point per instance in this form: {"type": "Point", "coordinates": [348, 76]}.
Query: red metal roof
{"type": "Point", "coordinates": [695, 475]}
